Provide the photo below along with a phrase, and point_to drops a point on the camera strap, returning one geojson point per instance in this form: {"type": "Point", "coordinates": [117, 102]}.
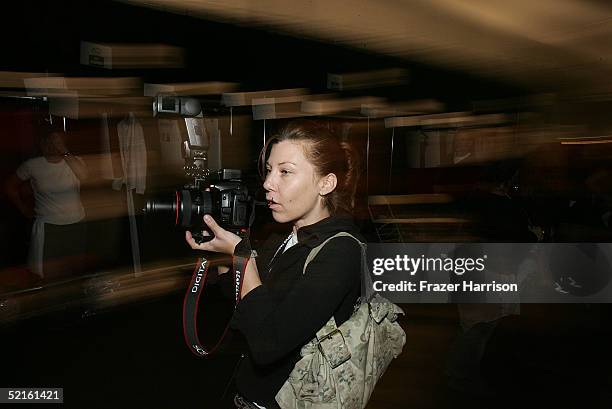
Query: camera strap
{"type": "Point", "coordinates": [192, 299]}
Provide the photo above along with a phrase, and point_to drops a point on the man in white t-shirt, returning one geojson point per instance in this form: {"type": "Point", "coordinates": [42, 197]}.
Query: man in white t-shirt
{"type": "Point", "coordinates": [55, 179]}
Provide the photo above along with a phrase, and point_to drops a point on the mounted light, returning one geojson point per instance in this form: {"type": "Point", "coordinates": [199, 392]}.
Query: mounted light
{"type": "Point", "coordinates": [175, 105]}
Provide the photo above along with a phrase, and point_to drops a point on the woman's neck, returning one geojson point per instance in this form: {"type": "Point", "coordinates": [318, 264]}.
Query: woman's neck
{"type": "Point", "coordinates": [323, 214]}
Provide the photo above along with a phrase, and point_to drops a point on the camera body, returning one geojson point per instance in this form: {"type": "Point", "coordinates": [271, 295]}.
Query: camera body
{"type": "Point", "coordinates": [225, 198]}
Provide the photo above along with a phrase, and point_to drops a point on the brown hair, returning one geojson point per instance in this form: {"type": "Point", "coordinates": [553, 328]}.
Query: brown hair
{"type": "Point", "coordinates": [327, 154]}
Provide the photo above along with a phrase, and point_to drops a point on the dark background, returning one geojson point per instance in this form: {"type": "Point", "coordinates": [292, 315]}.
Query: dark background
{"type": "Point", "coordinates": [133, 355]}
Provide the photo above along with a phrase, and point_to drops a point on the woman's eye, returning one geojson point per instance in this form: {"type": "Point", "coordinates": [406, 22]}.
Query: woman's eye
{"type": "Point", "coordinates": [281, 171]}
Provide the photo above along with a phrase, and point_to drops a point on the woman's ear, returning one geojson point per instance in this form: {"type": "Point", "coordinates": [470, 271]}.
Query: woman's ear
{"type": "Point", "coordinates": [327, 184]}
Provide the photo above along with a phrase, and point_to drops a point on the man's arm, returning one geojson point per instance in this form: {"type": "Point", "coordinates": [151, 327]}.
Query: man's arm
{"type": "Point", "coordinates": [13, 188]}
{"type": "Point", "coordinates": [77, 165]}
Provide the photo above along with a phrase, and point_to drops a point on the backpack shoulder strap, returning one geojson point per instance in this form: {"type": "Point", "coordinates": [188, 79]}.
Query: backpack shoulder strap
{"type": "Point", "coordinates": [313, 253]}
{"type": "Point", "coordinates": [330, 340]}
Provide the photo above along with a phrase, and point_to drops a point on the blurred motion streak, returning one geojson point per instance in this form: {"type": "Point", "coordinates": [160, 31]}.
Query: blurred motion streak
{"type": "Point", "coordinates": [190, 88]}
{"type": "Point", "coordinates": [367, 79]}
{"type": "Point", "coordinates": [593, 140]}
{"type": "Point", "coordinates": [86, 87]}
{"type": "Point", "coordinates": [402, 108]}
{"type": "Point", "coordinates": [329, 106]}
{"type": "Point", "coordinates": [521, 42]}
{"type": "Point", "coordinates": [233, 99]}
{"type": "Point", "coordinates": [94, 293]}
{"type": "Point", "coordinates": [450, 119]}
{"type": "Point", "coordinates": [117, 55]}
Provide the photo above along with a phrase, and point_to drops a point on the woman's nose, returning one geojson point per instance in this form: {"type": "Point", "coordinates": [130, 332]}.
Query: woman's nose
{"type": "Point", "coordinates": [268, 182]}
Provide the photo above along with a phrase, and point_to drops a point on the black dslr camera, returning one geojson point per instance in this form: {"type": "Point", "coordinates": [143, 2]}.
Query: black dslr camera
{"type": "Point", "coordinates": [218, 193]}
{"type": "Point", "coordinates": [225, 198]}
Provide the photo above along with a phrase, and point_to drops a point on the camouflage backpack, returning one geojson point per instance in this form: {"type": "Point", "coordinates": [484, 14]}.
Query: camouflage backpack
{"type": "Point", "coordinates": [341, 365]}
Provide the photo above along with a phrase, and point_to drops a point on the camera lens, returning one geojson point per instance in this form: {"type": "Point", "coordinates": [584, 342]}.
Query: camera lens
{"type": "Point", "coordinates": [193, 205]}
{"type": "Point", "coordinates": [186, 207]}
{"type": "Point", "coordinates": [154, 206]}
{"type": "Point", "coordinates": [162, 206]}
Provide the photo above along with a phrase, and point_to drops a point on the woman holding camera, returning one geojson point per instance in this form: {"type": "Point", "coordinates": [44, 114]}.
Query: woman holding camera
{"type": "Point", "coordinates": [310, 182]}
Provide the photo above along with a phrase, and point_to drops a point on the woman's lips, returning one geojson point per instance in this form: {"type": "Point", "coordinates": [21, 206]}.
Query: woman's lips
{"type": "Point", "coordinates": [273, 205]}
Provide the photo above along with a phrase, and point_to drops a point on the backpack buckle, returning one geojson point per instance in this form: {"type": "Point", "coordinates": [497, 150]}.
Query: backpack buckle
{"type": "Point", "coordinates": [333, 347]}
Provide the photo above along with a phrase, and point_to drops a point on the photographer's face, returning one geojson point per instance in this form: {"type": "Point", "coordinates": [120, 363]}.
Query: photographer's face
{"type": "Point", "coordinates": [293, 188]}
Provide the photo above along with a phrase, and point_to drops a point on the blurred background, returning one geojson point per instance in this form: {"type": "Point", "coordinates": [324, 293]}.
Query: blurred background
{"type": "Point", "coordinates": [476, 121]}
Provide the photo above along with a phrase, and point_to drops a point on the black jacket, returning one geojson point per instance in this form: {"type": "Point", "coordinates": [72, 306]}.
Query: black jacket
{"type": "Point", "coordinates": [280, 316]}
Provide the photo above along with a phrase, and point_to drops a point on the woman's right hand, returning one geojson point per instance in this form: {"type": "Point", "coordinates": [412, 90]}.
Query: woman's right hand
{"type": "Point", "coordinates": [224, 241]}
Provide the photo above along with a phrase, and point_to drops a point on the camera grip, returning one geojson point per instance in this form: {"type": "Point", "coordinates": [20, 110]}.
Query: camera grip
{"type": "Point", "coordinates": [201, 238]}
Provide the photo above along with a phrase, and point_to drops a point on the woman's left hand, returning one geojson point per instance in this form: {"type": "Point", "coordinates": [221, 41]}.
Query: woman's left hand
{"type": "Point", "coordinates": [223, 242]}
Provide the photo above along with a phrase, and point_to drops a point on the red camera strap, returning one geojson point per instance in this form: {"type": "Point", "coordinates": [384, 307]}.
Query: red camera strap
{"type": "Point", "coordinates": [192, 299]}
